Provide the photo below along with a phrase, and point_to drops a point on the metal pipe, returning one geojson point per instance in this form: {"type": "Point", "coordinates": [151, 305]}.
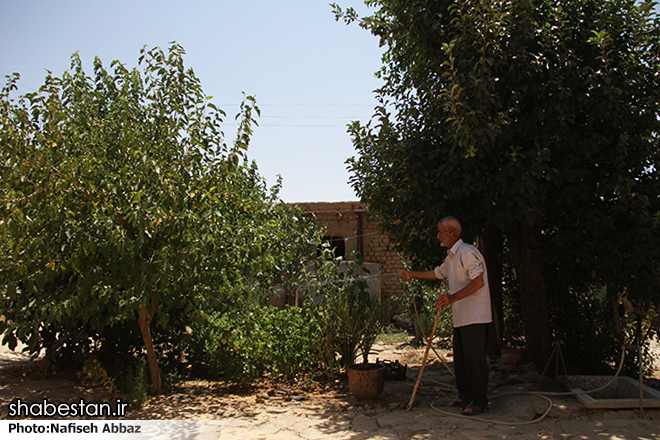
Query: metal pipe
{"type": "Point", "coordinates": [360, 244]}
{"type": "Point", "coordinates": [641, 376]}
{"type": "Point", "coordinates": [641, 379]}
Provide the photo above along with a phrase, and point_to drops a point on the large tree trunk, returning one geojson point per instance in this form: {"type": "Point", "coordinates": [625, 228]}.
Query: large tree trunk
{"type": "Point", "coordinates": [525, 246]}
{"type": "Point", "coordinates": [144, 320]}
{"type": "Point", "coordinates": [491, 244]}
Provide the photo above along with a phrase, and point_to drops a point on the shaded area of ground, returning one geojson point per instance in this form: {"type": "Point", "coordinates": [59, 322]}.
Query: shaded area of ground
{"type": "Point", "coordinates": [308, 410]}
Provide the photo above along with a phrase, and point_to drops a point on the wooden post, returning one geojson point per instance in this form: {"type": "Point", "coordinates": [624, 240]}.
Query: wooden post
{"type": "Point", "coordinates": [426, 353]}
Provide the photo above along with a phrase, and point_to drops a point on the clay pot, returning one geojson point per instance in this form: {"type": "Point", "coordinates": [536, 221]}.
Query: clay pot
{"type": "Point", "coordinates": [366, 381]}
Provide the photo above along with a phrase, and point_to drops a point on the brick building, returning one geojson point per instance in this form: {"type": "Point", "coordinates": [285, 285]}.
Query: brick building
{"type": "Point", "coordinates": [348, 225]}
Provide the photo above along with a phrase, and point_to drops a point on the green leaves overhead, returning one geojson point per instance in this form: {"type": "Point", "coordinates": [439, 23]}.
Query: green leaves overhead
{"type": "Point", "coordinates": [497, 111]}
{"type": "Point", "coordinates": [535, 119]}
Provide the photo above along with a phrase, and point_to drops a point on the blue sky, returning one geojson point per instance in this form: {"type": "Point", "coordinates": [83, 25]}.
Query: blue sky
{"type": "Point", "coordinates": [310, 75]}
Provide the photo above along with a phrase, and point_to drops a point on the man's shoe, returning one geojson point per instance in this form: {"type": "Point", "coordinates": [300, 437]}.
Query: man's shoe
{"type": "Point", "coordinates": [472, 410]}
{"type": "Point", "coordinates": [459, 403]}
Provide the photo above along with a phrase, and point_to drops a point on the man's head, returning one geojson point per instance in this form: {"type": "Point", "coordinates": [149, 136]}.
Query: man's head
{"type": "Point", "coordinates": [449, 231]}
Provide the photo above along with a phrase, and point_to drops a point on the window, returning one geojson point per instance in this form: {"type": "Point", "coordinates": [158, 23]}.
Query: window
{"type": "Point", "coordinates": [336, 243]}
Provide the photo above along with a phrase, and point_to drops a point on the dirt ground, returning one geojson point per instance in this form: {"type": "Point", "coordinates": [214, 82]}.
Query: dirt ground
{"type": "Point", "coordinates": [307, 410]}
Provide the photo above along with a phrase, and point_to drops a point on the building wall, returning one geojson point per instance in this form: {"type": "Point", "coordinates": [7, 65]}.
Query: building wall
{"type": "Point", "coordinates": [352, 222]}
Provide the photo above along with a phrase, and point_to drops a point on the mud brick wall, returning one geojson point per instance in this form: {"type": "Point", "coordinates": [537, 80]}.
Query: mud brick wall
{"type": "Point", "coordinates": [352, 223]}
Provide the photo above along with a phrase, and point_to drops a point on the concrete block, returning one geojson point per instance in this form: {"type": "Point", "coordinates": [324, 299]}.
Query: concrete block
{"type": "Point", "coordinates": [623, 392]}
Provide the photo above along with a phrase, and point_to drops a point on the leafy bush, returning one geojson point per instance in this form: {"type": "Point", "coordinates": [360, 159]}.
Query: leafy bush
{"type": "Point", "coordinates": [241, 346]}
{"type": "Point", "coordinates": [421, 308]}
{"type": "Point", "coordinates": [123, 201]}
{"type": "Point", "coordinates": [133, 380]}
{"type": "Point", "coordinates": [225, 345]}
{"type": "Point", "coordinates": [585, 321]}
{"type": "Point", "coordinates": [292, 341]}
{"type": "Point", "coordinates": [348, 316]}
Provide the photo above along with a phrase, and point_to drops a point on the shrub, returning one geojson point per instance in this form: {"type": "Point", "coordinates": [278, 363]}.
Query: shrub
{"type": "Point", "coordinates": [421, 308]}
{"type": "Point", "coordinates": [241, 346]}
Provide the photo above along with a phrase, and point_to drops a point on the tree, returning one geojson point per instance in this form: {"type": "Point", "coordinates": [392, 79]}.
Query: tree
{"type": "Point", "coordinates": [533, 119]}
{"type": "Point", "coordinates": [121, 201]}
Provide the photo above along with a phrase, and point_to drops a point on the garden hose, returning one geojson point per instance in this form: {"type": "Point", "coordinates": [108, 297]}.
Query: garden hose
{"type": "Point", "coordinates": [541, 395]}
{"type": "Point", "coordinates": [499, 422]}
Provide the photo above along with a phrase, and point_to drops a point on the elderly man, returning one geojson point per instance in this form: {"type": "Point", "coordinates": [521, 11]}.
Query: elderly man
{"type": "Point", "coordinates": [469, 295]}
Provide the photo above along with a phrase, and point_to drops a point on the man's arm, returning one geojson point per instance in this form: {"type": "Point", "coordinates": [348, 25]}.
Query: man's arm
{"type": "Point", "coordinates": [425, 275]}
{"type": "Point", "coordinates": [472, 286]}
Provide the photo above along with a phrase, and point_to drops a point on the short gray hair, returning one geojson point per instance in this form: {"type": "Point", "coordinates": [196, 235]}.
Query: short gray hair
{"type": "Point", "coordinates": [453, 222]}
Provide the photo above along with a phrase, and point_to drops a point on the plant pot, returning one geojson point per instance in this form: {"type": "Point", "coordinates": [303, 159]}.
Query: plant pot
{"type": "Point", "coordinates": [366, 381]}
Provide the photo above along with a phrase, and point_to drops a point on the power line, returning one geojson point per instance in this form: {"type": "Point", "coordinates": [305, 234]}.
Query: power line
{"type": "Point", "coordinates": [311, 117]}
{"type": "Point", "coordinates": [293, 125]}
{"type": "Point", "coordinates": [300, 105]}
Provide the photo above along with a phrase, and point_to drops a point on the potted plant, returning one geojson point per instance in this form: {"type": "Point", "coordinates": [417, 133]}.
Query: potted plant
{"type": "Point", "coordinates": [360, 315]}
{"type": "Point", "coordinates": [366, 380]}
{"type": "Point", "coordinates": [352, 319]}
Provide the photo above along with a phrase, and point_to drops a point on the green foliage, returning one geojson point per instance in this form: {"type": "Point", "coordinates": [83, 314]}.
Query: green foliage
{"type": "Point", "coordinates": [119, 191]}
{"type": "Point", "coordinates": [132, 378]}
{"type": "Point", "coordinates": [228, 345]}
{"type": "Point", "coordinates": [94, 375]}
{"type": "Point", "coordinates": [513, 331]}
{"type": "Point", "coordinates": [349, 317]}
{"type": "Point", "coordinates": [532, 117]}
{"type": "Point", "coordinates": [391, 335]}
{"type": "Point", "coordinates": [590, 345]}
{"type": "Point", "coordinates": [240, 346]}
{"type": "Point", "coordinates": [586, 321]}
{"type": "Point", "coordinates": [421, 300]}
{"type": "Point", "coordinates": [501, 111]}
{"type": "Point", "coordinates": [292, 341]}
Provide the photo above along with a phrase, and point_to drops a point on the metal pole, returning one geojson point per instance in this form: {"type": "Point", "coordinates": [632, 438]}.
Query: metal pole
{"type": "Point", "coordinates": [640, 350]}
{"type": "Point", "coordinates": [641, 380]}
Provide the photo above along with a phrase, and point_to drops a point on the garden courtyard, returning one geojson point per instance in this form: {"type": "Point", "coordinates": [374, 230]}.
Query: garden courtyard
{"type": "Point", "coordinates": [270, 409]}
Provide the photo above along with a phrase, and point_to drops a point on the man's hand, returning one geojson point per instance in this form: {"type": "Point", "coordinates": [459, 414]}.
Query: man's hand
{"type": "Point", "coordinates": [443, 301]}
{"type": "Point", "coordinates": [407, 276]}
{"type": "Point", "coordinates": [472, 286]}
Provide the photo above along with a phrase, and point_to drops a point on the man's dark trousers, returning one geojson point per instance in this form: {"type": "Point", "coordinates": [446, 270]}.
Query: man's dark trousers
{"type": "Point", "coordinates": [470, 364]}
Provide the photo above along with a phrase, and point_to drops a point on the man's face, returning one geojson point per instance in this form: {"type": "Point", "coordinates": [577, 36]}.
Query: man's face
{"type": "Point", "coordinates": [445, 235]}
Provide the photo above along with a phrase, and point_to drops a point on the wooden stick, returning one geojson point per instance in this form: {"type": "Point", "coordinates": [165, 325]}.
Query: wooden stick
{"type": "Point", "coordinates": [426, 353]}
